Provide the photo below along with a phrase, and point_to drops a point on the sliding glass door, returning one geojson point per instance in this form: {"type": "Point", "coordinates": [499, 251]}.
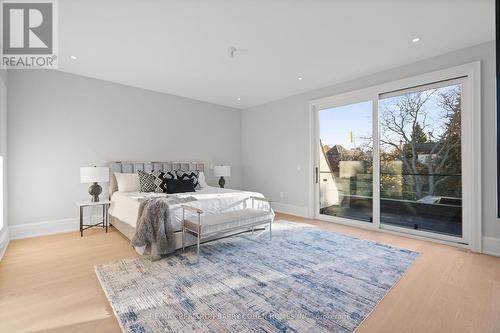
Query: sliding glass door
{"type": "Point", "coordinates": [421, 159]}
{"type": "Point", "coordinates": [346, 161]}
{"type": "Point", "coordinates": [395, 160]}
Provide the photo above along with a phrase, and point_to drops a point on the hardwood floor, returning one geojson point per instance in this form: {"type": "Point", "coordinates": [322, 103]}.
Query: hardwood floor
{"type": "Point", "coordinates": [48, 284]}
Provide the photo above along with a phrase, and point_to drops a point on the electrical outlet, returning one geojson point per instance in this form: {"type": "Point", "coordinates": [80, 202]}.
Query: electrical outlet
{"type": "Point", "coordinates": [282, 194]}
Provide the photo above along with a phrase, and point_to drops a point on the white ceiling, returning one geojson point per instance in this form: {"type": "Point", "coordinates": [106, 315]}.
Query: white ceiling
{"type": "Point", "coordinates": [181, 47]}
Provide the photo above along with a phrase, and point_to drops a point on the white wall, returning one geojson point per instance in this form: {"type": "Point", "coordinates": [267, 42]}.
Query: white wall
{"type": "Point", "coordinates": [275, 136]}
{"type": "Point", "coordinates": [58, 122]}
{"type": "Point", "coordinates": [3, 152]}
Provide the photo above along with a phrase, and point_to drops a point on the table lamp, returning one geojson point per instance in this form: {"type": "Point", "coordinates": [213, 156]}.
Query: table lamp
{"type": "Point", "coordinates": [222, 171]}
{"type": "Point", "coordinates": [94, 175]}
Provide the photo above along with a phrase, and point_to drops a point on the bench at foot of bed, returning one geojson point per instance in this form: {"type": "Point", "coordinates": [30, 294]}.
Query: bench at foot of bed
{"type": "Point", "coordinates": [210, 225]}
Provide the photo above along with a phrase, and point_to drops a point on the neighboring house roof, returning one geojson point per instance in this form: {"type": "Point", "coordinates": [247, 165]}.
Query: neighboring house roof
{"type": "Point", "coordinates": [336, 150]}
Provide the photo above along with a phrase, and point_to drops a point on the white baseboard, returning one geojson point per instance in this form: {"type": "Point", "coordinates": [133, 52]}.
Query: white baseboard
{"type": "Point", "coordinates": [491, 246]}
{"type": "Point", "coordinates": [290, 209]}
{"type": "Point", "coordinates": [44, 228]}
{"type": "Point", "coordinates": [36, 229]}
{"type": "Point", "coordinates": [4, 241]}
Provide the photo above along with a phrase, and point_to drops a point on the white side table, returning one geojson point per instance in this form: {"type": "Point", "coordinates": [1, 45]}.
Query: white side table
{"type": "Point", "coordinates": [105, 205]}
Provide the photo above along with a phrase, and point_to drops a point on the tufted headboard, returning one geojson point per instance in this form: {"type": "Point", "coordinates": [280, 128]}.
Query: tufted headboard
{"type": "Point", "coordinates": [134, 167]}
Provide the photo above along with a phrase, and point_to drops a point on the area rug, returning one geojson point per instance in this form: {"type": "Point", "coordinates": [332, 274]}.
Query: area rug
{"type": "Point", "coordinates": [304, 280]}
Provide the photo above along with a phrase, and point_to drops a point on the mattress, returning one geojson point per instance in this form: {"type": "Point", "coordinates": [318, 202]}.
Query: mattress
{"type": "Point", "coordinates": [211, 200]}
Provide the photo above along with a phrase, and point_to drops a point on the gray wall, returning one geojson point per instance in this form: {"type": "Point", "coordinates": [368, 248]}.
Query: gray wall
{"type": "Point", "coordinates": [3, 138]}
{"type": "Point", "coordinates": [275, 135]}
{"type": "Point", "coordinates": [59, 122]}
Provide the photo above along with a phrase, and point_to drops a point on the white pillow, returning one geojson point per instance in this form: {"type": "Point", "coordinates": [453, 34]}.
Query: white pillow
{"type": "Point", "coordinates": [127, 182]}
{"type": "Point", "coordinates": [201, 180]}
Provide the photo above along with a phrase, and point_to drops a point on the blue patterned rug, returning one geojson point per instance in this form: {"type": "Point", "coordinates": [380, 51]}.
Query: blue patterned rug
{"type": "Point", "coordinates": [305, 280]}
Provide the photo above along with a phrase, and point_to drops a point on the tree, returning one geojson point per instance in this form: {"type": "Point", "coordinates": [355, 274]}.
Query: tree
{"type": "Point", "coordinates": [418, 135]}
{"type": "Point", "coordinates": [446, 154]}
{"type": "Point", "coordinates": [403, 135]}
{"type": "Point", "coordinates": [402, 121]}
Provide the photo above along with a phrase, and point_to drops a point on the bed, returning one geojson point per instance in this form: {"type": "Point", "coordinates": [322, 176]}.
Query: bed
{"type": "Point", "coordinates": [212, 200]}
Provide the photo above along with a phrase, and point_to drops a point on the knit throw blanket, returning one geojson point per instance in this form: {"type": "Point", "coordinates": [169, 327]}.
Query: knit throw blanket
{"type": "Point", "coordinates": [154, 229]}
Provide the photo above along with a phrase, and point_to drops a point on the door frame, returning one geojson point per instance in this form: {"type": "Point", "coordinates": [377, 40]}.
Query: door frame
{"type": "Point", "coordinates": [471, 147]}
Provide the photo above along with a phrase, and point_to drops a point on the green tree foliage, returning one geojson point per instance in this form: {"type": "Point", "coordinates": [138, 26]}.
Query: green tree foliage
{"type": "Point", "coordinates": [418, 135]}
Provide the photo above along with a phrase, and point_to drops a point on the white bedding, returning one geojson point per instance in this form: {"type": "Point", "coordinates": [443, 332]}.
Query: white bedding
{"type": "Point", "coordinates": [212, 200]}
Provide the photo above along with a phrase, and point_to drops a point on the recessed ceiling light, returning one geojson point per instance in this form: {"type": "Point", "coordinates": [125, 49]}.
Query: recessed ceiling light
{"type": "Point", "coordinates": [238, 99]}
{"type": "Point", "coordinates": [416, 40]}
{"type": "Point", "coordinates": [300, 78]}
{"type": "Point", "coordinates": [73, 57]}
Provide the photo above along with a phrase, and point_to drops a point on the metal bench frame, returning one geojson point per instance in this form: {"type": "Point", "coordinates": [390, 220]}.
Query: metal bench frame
{"type": "Point", "coordinates": [199, 235]}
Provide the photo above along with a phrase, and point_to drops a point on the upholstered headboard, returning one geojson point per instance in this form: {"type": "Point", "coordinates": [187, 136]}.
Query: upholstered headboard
{"type": "Point", "coordinates": [134, 167]}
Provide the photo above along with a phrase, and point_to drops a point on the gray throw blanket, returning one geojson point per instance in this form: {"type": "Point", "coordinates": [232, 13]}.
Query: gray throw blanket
{"type": "Point", "coordinates": [154, 229]}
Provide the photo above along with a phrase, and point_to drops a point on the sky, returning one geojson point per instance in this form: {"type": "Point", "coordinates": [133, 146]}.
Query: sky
{"type": "Point", "coordinates": [336, 123]}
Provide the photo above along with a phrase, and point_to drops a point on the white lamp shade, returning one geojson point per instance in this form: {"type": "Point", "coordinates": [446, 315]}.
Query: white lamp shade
{"type": "Point", "coordinates": [222, 171]}
{"type": "Point", "coordinates": [94, 174]}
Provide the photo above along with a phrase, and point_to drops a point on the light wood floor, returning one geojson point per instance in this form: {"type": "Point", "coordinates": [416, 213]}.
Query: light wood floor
{"type": "Point", "coordinates": [48, 284]}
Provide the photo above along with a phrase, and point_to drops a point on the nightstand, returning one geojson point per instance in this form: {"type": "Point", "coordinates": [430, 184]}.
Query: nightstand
{"type": "Point", "coordinates": [105, 205]}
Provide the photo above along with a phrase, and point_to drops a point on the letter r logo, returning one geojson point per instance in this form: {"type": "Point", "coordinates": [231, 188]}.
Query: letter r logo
{"type": "Point", "coordinates": [27, 28]}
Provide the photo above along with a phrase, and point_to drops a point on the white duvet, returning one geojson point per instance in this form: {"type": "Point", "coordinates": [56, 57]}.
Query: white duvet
{"type": "Point", "coordinates": [212, 200]}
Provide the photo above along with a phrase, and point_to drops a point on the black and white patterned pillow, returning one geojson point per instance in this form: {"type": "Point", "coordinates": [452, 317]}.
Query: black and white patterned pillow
{"type": "Point", "coordinates": [158, 181]}
{"type": "Point", "coordinates": [146, 181]}
{"type": "Point", "coordinates": [193, 175]}
{"type": "Point", "coordinates": [161, 180]}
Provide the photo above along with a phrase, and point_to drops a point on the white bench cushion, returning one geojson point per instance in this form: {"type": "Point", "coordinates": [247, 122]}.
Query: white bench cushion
{"type": "Point", "coordinates": [239, 218]}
